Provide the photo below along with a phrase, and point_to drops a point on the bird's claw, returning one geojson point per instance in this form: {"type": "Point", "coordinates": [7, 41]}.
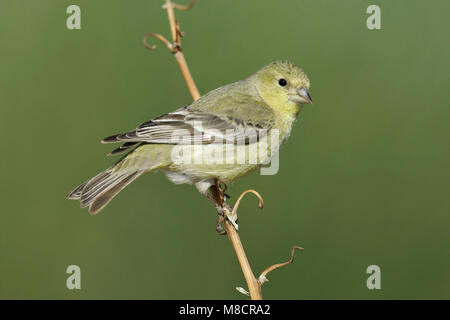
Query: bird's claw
{"type": "Point", "coordinates": [224, 210]}
{"type": "Point", "coordinates": [220, 230]}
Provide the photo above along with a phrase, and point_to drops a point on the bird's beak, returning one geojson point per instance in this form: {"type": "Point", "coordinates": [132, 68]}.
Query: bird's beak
{"type": "Point", "coordinates": [304, 95]}
{"type": "Point", "coordinates": [300, 96]}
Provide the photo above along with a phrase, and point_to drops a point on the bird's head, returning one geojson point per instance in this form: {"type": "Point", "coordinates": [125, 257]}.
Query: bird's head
{"type": "Point", "coordinates": [283, 85]}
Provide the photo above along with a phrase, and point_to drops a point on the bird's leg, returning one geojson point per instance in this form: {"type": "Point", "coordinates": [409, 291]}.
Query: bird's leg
{"type": "Point", "coordinates": [218, 200]}
{"type": "Point", "coordinates": [215, 203]}
{"type": "Point", "coordinates": [220, 182]}
{"type": "Point", "coordinates": [219, 195]}
{"type": "Point", "coordinates": [220, 230]}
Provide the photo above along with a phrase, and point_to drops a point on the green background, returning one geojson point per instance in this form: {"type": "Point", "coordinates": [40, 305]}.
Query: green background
{"type": "Point", "coordinates": [364, 178]}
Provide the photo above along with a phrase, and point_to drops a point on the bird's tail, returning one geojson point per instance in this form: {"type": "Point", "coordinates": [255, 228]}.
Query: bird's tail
{"type": "Point", "coordinates": [101, 189]}
{"type": "Point", "coordinates": [97, 192]}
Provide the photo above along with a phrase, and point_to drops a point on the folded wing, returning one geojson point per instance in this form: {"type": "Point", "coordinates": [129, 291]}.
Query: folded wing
{"type": "Point", "coordinates": [186, 126]}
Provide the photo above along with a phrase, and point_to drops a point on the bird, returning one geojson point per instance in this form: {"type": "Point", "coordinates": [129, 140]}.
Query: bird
{"type": "Point", "coordinates": [267, 102]}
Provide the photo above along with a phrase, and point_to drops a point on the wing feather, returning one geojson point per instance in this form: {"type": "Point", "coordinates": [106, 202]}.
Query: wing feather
{"type": "Point", "coordinates": [186, 126]}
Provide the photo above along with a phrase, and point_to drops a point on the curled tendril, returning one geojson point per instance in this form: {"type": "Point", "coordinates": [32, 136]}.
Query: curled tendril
{"type": "Point", "coordinates": [236, 205]}
{"type": "Point", "coordinates": [157, 36]}
{"type": "Point", "coordinates": [262, 278]}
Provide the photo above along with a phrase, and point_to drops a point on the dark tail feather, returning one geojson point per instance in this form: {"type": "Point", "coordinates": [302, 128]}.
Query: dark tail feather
{"type": "Point", "coordinates": [104, 198]}
{"type": "Point", "coordinates": [101, 189]}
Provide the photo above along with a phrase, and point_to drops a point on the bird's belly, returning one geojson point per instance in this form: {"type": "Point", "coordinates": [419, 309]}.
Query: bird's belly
{"type": "Point", "coordinates": [226, 173]}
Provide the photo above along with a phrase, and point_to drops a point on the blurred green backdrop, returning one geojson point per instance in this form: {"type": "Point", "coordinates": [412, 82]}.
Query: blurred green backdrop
{"type": "Point", "coordinates": [364, 178]}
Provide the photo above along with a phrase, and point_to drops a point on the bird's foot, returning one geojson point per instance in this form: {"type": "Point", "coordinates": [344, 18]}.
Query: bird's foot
{"type": "Point", "coordinates": [220, 230]}
{"type": "Point", "coordinates": [224, 210]}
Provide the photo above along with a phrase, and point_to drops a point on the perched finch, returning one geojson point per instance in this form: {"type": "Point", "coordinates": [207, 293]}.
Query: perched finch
{"type": "Point", "coordinates": [238, 116]}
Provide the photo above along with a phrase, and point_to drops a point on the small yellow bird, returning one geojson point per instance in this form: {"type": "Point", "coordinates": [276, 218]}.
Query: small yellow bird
{"type": "Point", "coordinates": [268, 101]}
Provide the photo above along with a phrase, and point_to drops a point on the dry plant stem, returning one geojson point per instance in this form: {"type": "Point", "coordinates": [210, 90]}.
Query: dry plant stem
{"type": "Point", "coordinates": [179, 57]}
{"type": "Point", "coordinates": [254, 287]}
{"type": "Point", "coordinates": [178, 54]}
{"type": "Point", "coordinates": [181, 7]}
{"type": "Point", "coordinates": [175, 46]}
{"type": "Point", "coordinates": [171, 17]}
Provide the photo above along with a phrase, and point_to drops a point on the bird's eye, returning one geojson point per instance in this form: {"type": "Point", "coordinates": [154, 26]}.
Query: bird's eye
{"type": "Point", "coordinates": [282, 82]}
